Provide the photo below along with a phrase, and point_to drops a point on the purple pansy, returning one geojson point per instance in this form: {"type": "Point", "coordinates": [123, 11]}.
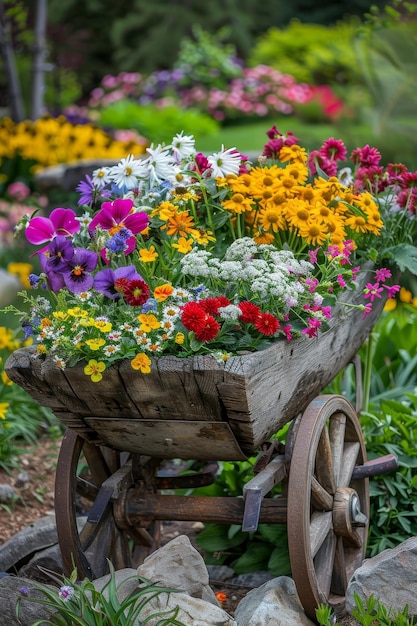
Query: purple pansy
{"type": "Point", "coordinates": [60, 250]}
{"type": "Point", "coordinates": [77, 273]}
{"type": "Point", "coordinates": [55, 279]}
{"type": "Point", "coordinates": [106, 280]}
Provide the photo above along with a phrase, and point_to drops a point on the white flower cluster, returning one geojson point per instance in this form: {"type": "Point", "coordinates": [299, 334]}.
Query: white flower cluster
{"type": "Point", "coordinates": [259, 273]}
{"type": "Point", "coordinates": [164, 165]}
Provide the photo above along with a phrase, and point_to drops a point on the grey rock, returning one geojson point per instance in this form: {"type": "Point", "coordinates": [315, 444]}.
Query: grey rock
{"type": "Point", "coordinates": [275, 603]}
{"type": "Point", "coordinates": [390, 576]}
{"type": "Point", "coordinates": [251, 579]}
{"type": "Point", "coordinates": [220, 573]}
{"type": "Point", "coordinates": [44, 561]}
{"type": "Point", "coordinates": [22, 479]}
{"type": "Point", "coordinates": [178, 565]}
{"type": "Point", "coordinates": [191, 611]}
{"type": "Point", "coordinates": [37, 536]}
{"type": "Point", "coordinates": [7, 494]}
{"type": "Point", "coordinates": [11, 596]}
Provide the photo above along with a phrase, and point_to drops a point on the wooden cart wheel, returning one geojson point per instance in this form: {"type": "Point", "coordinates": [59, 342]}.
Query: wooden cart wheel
{"type": "Point", "coordinates": [88, 475]}
{"type": "Point", "coordinates": [328, 511]}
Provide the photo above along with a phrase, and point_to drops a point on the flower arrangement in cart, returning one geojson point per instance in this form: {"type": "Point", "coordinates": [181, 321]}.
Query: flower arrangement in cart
{"type": "Point", "coordinates": [185, 254]}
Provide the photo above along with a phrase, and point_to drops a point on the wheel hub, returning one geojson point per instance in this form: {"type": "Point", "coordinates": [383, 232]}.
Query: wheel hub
{"type": "Point", "coordinates": [347, 515]}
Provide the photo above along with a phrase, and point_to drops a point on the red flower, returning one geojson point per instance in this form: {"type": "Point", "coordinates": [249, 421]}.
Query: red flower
{"type": "Point", "coordinates": [136, 292]}
{"type": "Point", "coordinates": [209, 330]}
{"type": "Point", "coordinates": [267, 324]}
{"type": "Point", "coordinates": [250, 312]}
{"type": "Point", "coordinates": [193, 316]}
{"type": "Point", "coordinates": [212, 305]}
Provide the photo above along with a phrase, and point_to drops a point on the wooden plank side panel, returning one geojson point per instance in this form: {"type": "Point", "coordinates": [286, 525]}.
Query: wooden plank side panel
{"type": "Point", "coordinates": [174, 390]}
{"type": "Point", "coordinates": [170, 439]}
{"type": "Point", "coordinates": [277, 389]}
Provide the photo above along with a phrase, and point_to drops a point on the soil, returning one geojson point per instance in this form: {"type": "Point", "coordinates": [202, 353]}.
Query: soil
{"type": "Point", "coordinates": [33, 480]}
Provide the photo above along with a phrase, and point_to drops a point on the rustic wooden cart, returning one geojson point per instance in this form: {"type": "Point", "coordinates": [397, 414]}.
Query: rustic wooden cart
{"type": "Point", "coordinates": [121, 431]}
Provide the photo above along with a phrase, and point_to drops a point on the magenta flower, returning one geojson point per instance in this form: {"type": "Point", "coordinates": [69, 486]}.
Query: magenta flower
{"type": "Point", "coordinates": [313, 328]}
{"type": "Point", "coordinates": [118, 214]}
{"type": "Point", "coordinates": [334, 149]}
{"type": "Point", "coordinates": [372, 291]}
{"type": "Point", "coordinates": [392, 290]}
{"type": "Point", "coordinates": [60, 222]}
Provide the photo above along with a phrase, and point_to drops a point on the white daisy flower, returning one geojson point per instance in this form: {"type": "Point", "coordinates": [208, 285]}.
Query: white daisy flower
{"type": "Point", "coordinates": [127, 171]}
{"type": "Point", "coordinates": [101, 177]}
{"type": "Point", "coordinates": [159, 165]}
{"type": "Point", "coordinates": [224, 162]}
{"type": "Point", "coordinates": [182, 146]}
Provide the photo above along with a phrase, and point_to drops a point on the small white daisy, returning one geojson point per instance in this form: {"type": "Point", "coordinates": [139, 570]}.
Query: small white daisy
{"type": "Point", "coordinates": [224, 162]}
{"type": "Point", "coordinates": [127, 171]}
{"type": "Point", "coordinates": [101, 177]}
{"type": "Point", "coordinates": [183, 146]}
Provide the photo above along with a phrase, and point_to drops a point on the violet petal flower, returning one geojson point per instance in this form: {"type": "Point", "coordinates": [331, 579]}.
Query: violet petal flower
{"type": "Point", "coordinates": [77, 274]}
{"type": "Point", "coordinates": [55, 279]}
{"type": "Point", "coordinates": [60, 251]}
{"type": "Point", "coordinates": [59, 222]}
{"type": "Point", "coordinates": [105, 280]}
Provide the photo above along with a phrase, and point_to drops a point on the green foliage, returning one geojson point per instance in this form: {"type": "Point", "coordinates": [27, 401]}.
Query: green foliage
{"type": "Point", "coordinates": [81, 603]}
{"type": "Point", "coordinates": [368, 614]}
{"type": "Point", "coordinates": [158, 125]}
{"type": "Point", "coordinates": [311, 53]}
{"type": "Point", "coordinates": [264, 549]}
{"type": "Point", "coordinates": [206, 60]}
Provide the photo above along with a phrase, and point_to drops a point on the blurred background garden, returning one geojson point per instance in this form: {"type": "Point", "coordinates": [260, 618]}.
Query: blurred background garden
{"type": "Point", "coordinates": [94, 81]}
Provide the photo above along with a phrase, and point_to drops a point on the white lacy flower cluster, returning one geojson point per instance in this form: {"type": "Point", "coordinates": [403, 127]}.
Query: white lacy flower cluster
{"type": "Point", "coordinates": [262, 273]}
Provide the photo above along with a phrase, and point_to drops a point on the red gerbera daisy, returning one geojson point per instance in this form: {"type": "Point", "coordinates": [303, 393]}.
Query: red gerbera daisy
{"type": "Point", "coordinates": [193, 316]}
{"type": "Point", "coordinates": [267, 324]}
{"type": "Point", "coordinates": [136, 292]}
{"type": "Point", "coordinates": [250, 312]}
{"type": "Point", "coordinates": [209, 330]}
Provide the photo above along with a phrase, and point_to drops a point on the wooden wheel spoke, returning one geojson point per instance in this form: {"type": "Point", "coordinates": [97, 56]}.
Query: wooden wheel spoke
{"type": "Point", "coordinates": [323, 563]}
{"type": "Point", "coordinates": [86, 489]}
{"type": "Point", "coordinates": [321, 499]}
{"type": "Point", "coordinates": [337, 438]}
{"type": "Point", "coordinates": [324, 463]}
{"type": "Point", "coordinates": [91, 532]}
{"type": "Point", "coordinates": [339, 578]}
{"type": "Point", "coordinates": [96, 462]}
{"type": "Point", "coordinates": [320, 525]}
{"type": "Point", "coordinates": [350, 457]}
{"type": "Point", "coordinates": [81, 471]}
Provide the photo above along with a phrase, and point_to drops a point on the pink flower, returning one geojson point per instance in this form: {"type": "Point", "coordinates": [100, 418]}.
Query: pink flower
{"type": "Point", "coordinates": [312, 329]}
{"type": "Point", "coordinates": [366, 310]}
{"type": "Point", "coordinates": [372, 291]}
{"type": "Point", "coordinates": [392, 290]}
{"type": "Point", "coordinates": [334, 149]}
{"type": "Point", "coordinates": [60, 222]}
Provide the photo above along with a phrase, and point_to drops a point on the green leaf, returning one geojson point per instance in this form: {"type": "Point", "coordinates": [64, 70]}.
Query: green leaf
{"type": "Point", "coordinates": [279, 561]}
{"type": "Point", "coordinates": [254, 559]}
{"type": "Point", "coordinates": [405, 257]}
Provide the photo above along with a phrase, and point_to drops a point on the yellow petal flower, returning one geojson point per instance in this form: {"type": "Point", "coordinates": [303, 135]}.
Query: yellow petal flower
{"type": "Point", "coordinates": [141, 362]}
